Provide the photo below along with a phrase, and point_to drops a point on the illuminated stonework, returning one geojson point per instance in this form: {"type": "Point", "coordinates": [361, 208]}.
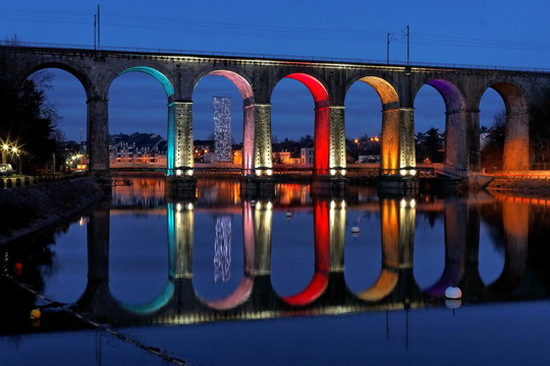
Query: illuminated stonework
{"type": "Point", "coordinates": [180, 138]}
{"type": "Point", "coordinates": [262, 142]}
{"type": "Point", "coordinates": [222, 128]}
{"type": "Point", "coordinates": [337, 139]}
{"type": "Point", "coordinates": [407, 154]}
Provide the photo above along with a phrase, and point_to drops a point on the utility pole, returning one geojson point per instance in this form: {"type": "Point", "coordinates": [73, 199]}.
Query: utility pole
{"type": "Point", "coordinates": [388, 40]}
{"type": "Point", "coordinates": [98, 29]}
{"type": "Point", "coordinates": [408, 44]}
{"type": "Point", "coordinates": [95, 32]}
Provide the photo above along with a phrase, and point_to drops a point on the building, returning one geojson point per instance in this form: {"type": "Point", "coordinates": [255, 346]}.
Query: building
{"type": "Point", "coordinates": [138, 150]}
{"type": "Point", "coordinates": [306, 155]}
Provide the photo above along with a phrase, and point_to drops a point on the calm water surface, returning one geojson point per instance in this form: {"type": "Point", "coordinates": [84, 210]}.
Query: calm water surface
{"type": "Point", "coordinates": [220, 279]}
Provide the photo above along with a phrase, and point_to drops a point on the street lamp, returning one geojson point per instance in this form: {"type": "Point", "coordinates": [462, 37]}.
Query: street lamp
{"type": "Point", "coordinates": [5, 149]}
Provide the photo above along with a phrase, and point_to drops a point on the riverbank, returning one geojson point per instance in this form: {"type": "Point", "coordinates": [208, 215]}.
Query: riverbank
{"type": "Point", "coordinates": [28, 209]}
{"type": "Point", "coordinates": [539, 186]}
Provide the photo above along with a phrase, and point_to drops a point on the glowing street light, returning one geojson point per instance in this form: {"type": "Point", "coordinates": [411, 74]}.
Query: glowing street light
{"type": "Point", "coordinates": [5, 149]}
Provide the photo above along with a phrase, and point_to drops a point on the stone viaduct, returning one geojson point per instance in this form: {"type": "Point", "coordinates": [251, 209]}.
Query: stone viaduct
{"type": "Point", "coordinates": [328, 82]}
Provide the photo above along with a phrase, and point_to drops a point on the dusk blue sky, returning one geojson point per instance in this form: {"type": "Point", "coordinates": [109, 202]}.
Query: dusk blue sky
{"type": "Point", "coordinates": [501, 33]}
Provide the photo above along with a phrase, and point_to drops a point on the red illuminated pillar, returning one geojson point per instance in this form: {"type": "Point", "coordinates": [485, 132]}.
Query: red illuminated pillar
{"type": "Point", "coordinates": [322, 139]}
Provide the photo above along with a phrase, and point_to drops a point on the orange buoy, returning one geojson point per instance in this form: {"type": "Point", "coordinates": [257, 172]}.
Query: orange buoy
{"type": "Point", "coordinates": [36, 314]}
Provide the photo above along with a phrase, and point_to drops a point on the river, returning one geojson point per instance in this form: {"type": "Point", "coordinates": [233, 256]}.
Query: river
{"type": "Point", "coordinates": [294, 278]}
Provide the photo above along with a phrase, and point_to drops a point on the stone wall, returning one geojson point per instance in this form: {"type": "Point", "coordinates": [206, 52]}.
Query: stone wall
{"type": "Point", "coordinates": [25, 210]}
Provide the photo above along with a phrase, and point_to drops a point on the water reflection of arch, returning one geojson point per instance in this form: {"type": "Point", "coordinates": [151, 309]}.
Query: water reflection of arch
{"type": "Point", "coordinates": [178, 301]}
{"type": "Point", "coordinates": [180, 218]}
{"type": "Point", "coordinates": [515, 219]}
{"type": "Point", "coordinates": [455, 234]}
{"type": "Point", "coordinates": [397, 219]}
{"type": "Point", "coordinates": [244, 289]}
{"type": "Point", "coordinates": [319, 281]}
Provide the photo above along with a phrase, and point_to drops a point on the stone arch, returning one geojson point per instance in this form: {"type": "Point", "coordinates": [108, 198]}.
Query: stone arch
{"type": "Point", "coordinates": [322, 133]}
{"type": "Point", "coordinates": [516, 136]}
{"type": "Point", "coordinates": [391, 131]}
{"type": "Point", "coordinates": [247, 94]}
{"type": "Point", "coordinates": [457, 128]}
{"type": "Point", "coordinates": [83, 78]}
{"type": "Point", "coordinates": [391, 231]}
{"type": "Point", "coordinates": [69, 67]}
{"type": "Point", "coordinates": [242, 84]}
{"type": "Point", "coordinates": [160, 77]}
{"type": "Point", "coordinates": [168, 88]}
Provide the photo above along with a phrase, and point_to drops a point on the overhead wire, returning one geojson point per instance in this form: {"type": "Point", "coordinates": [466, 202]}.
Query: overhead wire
{"type": "Point", "coordinates": [187, 25]}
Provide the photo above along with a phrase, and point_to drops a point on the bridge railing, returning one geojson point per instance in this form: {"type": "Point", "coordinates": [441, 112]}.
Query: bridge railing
{"type": "Point", "coordinates": [272, 56]}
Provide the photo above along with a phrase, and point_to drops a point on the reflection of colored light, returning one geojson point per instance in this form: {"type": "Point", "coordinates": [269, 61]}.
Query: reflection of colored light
{"type": "Point", "coordinates": [319, 282]}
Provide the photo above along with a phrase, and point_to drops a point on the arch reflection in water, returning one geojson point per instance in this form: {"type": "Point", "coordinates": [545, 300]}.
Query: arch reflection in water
{"type": "Point", "coordinates": [327, 291]}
